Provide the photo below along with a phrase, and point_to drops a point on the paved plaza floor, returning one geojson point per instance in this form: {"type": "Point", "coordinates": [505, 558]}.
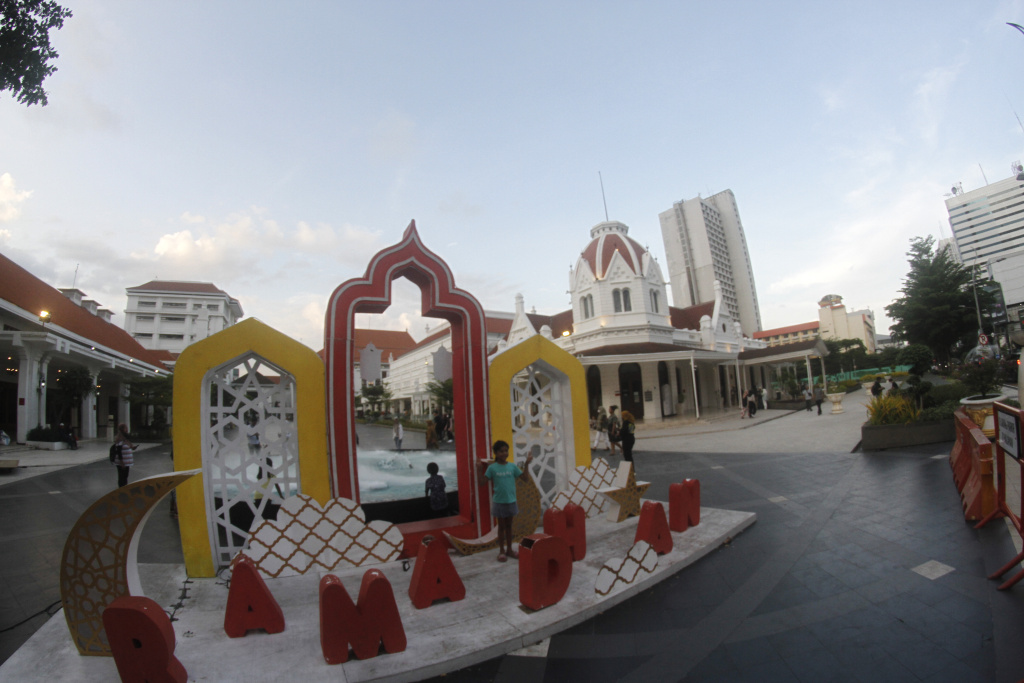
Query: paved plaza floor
{"type": "Point", "coordinates": [860, 566]}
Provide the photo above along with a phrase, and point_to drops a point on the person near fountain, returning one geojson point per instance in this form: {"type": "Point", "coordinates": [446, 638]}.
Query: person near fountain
{"type": "Point", "coordinates": [398, 433]}
{"type": "Point", "coordinates": [503, 475]}
{"type": "Point", "coordinates": [435, 493]}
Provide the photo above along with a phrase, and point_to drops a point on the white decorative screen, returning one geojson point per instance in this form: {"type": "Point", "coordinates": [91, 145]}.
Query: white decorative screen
{"type": "Point", "coordinates": [538, 427]}
{"type": "Point", "coordinates": [250, 449]}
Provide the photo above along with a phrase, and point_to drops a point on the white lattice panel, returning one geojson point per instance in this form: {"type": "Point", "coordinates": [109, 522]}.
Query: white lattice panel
{"type": "Point", "coordinates": [250, 455]}
{"type": "Point", "coordinates": [538, 428]}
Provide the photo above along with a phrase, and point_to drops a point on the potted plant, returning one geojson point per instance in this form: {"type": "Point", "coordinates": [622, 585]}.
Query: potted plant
{"type": "Point", "coordinates": [835, 394]}
{"type": "Point", "coordinates": [980, 374]}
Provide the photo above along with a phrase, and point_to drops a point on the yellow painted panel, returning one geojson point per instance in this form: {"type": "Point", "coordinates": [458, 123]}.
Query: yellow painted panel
{"type": "Point", "coordinates": [238, 341]}
{"type": "Point", "coordinates": [512, 360]}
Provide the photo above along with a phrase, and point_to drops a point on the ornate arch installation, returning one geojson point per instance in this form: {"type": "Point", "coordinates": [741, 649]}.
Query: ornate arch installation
{"type": "Point", "coordinates": [440, 298]}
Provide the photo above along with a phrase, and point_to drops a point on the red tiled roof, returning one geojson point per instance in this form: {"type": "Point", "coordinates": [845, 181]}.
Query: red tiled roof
{"type": "Point", "coordinates": [689, 318]}
{"type": "Point", "coordinates": [26, 291]}
{"type": "Point", "coordinates": [179, 286]}
{"type": "Point", "coordinates": [634, 349]}
{"type": "Point", "coordinates": [559, 322]}
{"type": "Point", "coordinates": [802, 327]}
{"type": "Point", "coordinates": [388, 342]}
{"type": "Point", "coordinates": [598, 254]}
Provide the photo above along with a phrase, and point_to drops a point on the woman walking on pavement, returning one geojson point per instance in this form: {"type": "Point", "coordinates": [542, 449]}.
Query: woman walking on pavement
{"type": "Point", "coordinates": [126, 454]}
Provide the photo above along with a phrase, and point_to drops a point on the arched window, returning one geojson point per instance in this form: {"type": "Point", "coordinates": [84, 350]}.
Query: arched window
{"type": "Point", "coordinates": [617, 300]}
{"type": "Point", "coordinates": [626, 305]}
{"type": "Point", "coordinates": [588, 306]}
{"type": "Point", "coordinates": [654, 300]}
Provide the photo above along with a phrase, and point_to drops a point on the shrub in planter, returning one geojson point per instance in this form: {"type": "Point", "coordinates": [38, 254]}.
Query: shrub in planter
{"type": "Point", "coordinates": [943, 393]}
{"type": "Point", "coordinates": [40, 433]}
{"type": "Point", "coordinates": [892, 409]}
{"type": "Point", "coordinates": [868, 379]}
{"type": "Point", "coordinates": [937, 413]}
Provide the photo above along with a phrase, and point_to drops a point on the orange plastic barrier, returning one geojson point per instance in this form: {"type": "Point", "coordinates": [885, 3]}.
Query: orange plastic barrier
{"type": "Point", "coordinates": [971, 461]}
{"type": "Point", "coordinates": [1007, 442]}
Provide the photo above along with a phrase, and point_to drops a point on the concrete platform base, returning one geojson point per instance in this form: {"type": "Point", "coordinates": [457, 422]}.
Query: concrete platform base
{"type": "Point", "coordinates": [444, 637]}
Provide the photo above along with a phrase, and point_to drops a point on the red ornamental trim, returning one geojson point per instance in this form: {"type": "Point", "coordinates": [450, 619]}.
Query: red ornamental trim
{"type": "Point", "coordinates": [371, 293]}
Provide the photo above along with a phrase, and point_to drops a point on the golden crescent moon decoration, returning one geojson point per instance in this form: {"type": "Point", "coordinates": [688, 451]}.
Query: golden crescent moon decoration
{"type": "Point", "coordinates": [100, 557]}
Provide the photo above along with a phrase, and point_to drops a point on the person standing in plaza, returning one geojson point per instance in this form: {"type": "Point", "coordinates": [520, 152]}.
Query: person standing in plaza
{"type": "Point", "coordinates": [398, 433]}
{"type": "Point", "coordinates": [503, 475]}
{"type": "Point", "coordinates": [126, 455]}
{"type": "Point", "coordinates": [819, 396]}
{"type": "Point", "coordinates": [614, 424]}
{"type": "Point", "coordinates": [628, 433]}
{"type": "Point", "coordinates": [808, 396]}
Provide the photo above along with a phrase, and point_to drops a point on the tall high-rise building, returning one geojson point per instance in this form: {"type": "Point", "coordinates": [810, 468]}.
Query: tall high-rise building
{"type": "Point", "coordinates": [704, 243]}
{"type": "Point", "coordinates": [988, 222]}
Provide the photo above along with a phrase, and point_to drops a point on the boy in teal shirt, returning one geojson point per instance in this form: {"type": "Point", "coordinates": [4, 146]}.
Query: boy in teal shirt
{"type": "Point", "coordinates": [503, 475]}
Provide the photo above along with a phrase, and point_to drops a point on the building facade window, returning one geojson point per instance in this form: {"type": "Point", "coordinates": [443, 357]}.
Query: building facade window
{"type": "Point", "coordinates": [588, 306]}
{"type": "Point", "coordinates": [654, 300]}
{"type": "Point", "coordinates": [147, 304]}
{"type": "Point", "coordinates": [173, 304]}
{"type": "Point", "coordinates": [627, 305]}
{"type": "Point", "coordinates": [617, 300]}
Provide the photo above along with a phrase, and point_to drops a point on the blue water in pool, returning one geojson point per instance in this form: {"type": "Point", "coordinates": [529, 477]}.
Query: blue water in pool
{"type": "Point", "coordinates": [394, 475]}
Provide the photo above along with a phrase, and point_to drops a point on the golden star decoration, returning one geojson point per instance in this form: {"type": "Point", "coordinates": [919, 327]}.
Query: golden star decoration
{"type": "Point", "coordinates": [625, 493]}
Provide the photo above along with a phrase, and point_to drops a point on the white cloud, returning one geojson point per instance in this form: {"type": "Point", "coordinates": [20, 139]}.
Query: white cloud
{"type": "Point", "coordinates": [10, 198]}
{"type": "Point", "coordinates": [5, 238]}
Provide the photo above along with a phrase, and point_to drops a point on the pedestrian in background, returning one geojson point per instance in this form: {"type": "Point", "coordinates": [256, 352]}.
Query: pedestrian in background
{"type": "Point", "coordinates": [126, 454]}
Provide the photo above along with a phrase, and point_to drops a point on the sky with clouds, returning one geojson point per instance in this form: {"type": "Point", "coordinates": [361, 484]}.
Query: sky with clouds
{"type": "Point", "coordinates": [272, 149]}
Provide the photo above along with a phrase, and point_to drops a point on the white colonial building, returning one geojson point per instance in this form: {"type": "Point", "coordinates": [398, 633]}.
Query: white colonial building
{"type": "Point", "coordinates": [639, 353]}
{"type": "Point", "coordinates": [169, 315]}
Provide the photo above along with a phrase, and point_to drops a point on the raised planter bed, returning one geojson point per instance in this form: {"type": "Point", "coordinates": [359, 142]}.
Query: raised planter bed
{"type": "Point", "coordinates": [48, 445]}
{"type": "Point", "coordinates": [881, 437]}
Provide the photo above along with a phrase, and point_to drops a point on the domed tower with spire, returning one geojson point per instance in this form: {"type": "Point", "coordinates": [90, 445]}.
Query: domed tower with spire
{"type": "Point", "coordinates": [618, 292]}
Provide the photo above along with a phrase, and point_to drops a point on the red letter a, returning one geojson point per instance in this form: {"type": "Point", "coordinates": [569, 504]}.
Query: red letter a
{"type": "Point", "coordinates": [653, 527]}
{"type": "Point", "coordinates": [250, 603]}
{"type": "Point", "coordinates": [142, 641]}
{"type": "Point", "coordinates": [434, 577]}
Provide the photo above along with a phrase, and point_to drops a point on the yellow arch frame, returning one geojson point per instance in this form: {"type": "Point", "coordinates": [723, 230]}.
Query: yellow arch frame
{"type": "Point", "coordinates": [247, 337]}
{"type": "Point", "coordinates": [504, 367]}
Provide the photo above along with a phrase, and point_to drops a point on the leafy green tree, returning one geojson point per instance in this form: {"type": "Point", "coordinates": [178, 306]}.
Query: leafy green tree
{"type": "Point", "coordinates": [936, 303]}
{"type": "Point", "coordinates": [25, 50]}
{"type": "Point", "coordinates": [443, 393]}
{"type": "Point", "coordinates": [375, 395]}
{"type": "Point", "coordinates": [844, 355]}
{"type": "Point", "coordinates": [918, 356]}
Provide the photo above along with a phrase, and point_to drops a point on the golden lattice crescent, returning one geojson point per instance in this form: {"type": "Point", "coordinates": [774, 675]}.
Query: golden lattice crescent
{"type": "Point", "coordinates": [99, 562]}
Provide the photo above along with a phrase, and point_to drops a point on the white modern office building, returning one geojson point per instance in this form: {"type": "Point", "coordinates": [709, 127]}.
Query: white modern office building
{"type": "Point", "coordinates": [988, 222]}
{"type": "Point", "coordinates": [704, 244]}
{"type": "Point", "coordinates": [168, 315]}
